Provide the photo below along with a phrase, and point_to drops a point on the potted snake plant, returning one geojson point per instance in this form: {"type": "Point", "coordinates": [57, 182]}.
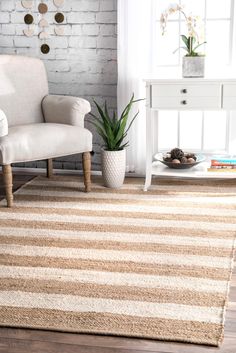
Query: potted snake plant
{"type": "Point", "coordinates": [113, 131]}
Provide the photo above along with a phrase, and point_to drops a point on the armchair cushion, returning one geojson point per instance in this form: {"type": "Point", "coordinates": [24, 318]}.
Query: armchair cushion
{"type": "Point", "coordinates": [23, 85]}
{"type": "Point", "coordinates": [65, 110]}
{"type": "Point", "coordinates": [3, 124]}
{"type": "Point", "coordinates": [43, 141]}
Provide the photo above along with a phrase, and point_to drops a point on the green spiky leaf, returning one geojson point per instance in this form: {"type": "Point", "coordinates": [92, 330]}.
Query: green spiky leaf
{"type": "Point", "coordinates": [112, 129]}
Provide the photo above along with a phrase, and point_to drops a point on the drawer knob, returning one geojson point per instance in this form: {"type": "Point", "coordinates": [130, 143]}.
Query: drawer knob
{"type": "Point", "coordinates": [184, 90]}
{"type": "Point", "coordinates": [184, 102]}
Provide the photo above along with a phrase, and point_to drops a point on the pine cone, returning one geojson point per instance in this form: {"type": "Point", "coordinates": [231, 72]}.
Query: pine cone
{"type": "Point", "coordinates": [176, 153]}
{"type": "Point", "coordinates": [167, 159]}
{"type": "Point", "coordinates": [184, 160]}
{"type": "Point", "coordinates": [191, 155]}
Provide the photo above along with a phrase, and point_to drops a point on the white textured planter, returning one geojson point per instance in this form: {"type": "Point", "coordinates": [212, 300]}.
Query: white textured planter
{"type": "Point", "coordinates": [3, 124]}
{"type": "Point", "coordinates": [193, 66]}
{"type": "Point", "coordinates": [113, 168]}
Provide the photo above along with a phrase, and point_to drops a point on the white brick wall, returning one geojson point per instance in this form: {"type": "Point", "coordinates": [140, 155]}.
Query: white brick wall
{"type": "Point", "coordinates": [82, 62]}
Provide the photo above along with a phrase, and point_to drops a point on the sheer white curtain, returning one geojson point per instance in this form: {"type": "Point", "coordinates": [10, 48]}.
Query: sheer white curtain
{"type": "Point", "coordinates": [134, 64]}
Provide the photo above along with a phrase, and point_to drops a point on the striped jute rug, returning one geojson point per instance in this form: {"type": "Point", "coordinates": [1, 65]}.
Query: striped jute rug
{"type": "Point", "coordinates": [154, 265]}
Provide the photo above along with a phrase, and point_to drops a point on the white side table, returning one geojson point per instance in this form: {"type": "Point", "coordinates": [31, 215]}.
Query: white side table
{"type": "Point", "coordinates": [185, 94]}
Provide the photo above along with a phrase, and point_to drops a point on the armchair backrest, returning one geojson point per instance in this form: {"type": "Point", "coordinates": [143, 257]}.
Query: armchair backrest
{"type": "Point", "coordinates": [23, 85]}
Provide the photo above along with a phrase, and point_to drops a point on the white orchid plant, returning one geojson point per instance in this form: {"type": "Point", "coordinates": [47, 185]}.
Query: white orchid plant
{"type": "Point", "coordinates": [195, 26]}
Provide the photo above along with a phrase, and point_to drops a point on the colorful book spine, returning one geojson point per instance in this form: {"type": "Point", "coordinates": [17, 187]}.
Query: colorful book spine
{"type": "Point", "coordinates": [229, 166]}
{"type": "Point", "coordinates": [222, 165]}
{"type": "Point", "coordinates": [223, 169]}
{"type": "Point", "coordinates": [223, 161]}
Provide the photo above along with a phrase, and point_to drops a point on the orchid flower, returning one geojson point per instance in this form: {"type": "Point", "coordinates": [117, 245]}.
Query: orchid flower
{"type": "Point", "coordinates": [194, 27]}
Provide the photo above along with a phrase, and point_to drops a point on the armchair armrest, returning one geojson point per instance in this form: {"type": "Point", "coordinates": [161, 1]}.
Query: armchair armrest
{"type": "Point", "coordinates": [3, 124]}
{"type": "Point", "coordinates": [65, 110]}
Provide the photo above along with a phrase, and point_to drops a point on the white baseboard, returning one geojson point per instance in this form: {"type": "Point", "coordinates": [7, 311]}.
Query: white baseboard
{"type": "Point", "coordinates": [56, 171]}
{"type": "Point", "coordinates": [37, 171]}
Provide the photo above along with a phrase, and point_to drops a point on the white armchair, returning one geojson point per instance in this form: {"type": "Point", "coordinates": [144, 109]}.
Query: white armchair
{"type": "Point", "coordinates": [40, 126]}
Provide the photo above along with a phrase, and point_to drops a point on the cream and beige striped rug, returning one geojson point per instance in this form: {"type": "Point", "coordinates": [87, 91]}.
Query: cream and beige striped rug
{"type": "Point", "coordinates": [154, 265]}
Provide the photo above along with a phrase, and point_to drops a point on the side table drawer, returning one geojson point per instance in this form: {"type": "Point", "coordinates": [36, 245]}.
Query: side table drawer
{"type": "Point", "coordinates": [229, 96]}
{"type": "Point", "coordinates": [180, 103]}
{"type": "Point", "coordinates": [186, 89]}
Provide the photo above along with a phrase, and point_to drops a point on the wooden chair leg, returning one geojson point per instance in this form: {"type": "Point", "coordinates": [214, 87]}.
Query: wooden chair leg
{"type": "Point", "coordinates": [7, 177]}
{"type": "Point", "coordinates": [49, 168]}
{"type": "Point", "coordinates": [87, 170]}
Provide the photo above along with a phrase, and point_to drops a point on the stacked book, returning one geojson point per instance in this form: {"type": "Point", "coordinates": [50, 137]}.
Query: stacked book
{"type": "Point", "coordinates": [223, 164]}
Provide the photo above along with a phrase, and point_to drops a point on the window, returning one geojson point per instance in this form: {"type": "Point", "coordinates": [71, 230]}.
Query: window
{"type": "Point", "coordinates": [211, 131]}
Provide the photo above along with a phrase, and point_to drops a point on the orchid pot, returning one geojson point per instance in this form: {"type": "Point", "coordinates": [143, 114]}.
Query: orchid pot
{"type": "Point", "coordinates": [193, 66]}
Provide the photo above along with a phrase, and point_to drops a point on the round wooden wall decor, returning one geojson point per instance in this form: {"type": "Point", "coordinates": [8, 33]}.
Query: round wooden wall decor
{"type": "Point", "coordinates": [58, 3]}
{"type": "Point", "coordinates": [45, 49]}
{"type": "Point", "coordinates": [42, 8]}
{"type": "Point", "coordinates": [43, 35]}
{"type": "Point", "coordinates": [59, 31]}
{"type": "Point", "coordinates": [27, 4]}
{"type": "Point", "coordinates": [59, 17]}
{"type": "Point", "coordinates": [43, 23]}
{"type": "Point", "coordinates": [28, 19]}
{"type": "Point", "coordinates": [28, 32]}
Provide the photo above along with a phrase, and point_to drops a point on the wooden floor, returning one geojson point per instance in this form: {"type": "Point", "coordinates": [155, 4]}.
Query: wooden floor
{"type": "Point", "coordinates": [34, 341]}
